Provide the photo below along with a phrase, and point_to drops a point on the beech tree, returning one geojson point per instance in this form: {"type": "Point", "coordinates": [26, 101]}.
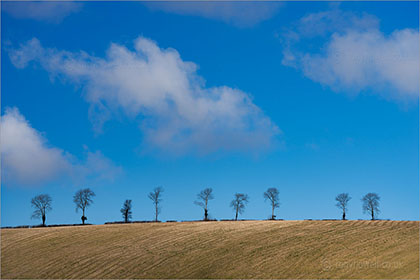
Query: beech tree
{"type": "Point", "coordinates": [205, 195]}
{"type": "Point", "coordinates": [371, 204]}
{"type": "Point", "coordinates": [272, 194]}
{"type": "Point", "coordinates": [238, 203]}
{"type": "Point", "coordinates": [42, 204]}
{"type": "Point", "coordinates": [155, 196]}
{"type": "Point", "coordinates": [342, 201]}
{"type": "Point", "coordinates": [83, 199]}
{"type": "Point", "coordinates": [126, 210]}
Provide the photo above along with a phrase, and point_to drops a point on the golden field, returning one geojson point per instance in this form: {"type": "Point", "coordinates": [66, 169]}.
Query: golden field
{"type": "Point", "coordinates": [228, 249]}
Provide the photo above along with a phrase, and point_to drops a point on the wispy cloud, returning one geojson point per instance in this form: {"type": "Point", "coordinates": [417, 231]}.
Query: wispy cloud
{"type": "Point", "coordinates": [28, 159]}
{"type": "Point", "coordinates": [177, 112]}
{"type": "Point", "coordinates": [241, 14]}
{"type": "Point", "coordinates": [356, 55]}
{"type": "Point", "coordinates": [50, 11]}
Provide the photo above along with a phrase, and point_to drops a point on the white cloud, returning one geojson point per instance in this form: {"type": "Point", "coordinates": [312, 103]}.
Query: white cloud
{"type": "Point", "coordinates": [25, 153]}
{"type": "Point", "coordinates": [178, 113]}
{"type": "Point", "coordinates": [51, 11]}
{"type": "Point", "coordinates": [28, 159]}
{"type": "Point", "coordinates": [241, 14]}
{"type": "Point", "coordinates": [96, 167]}
{"type": "Point", "coordinates": [356, 55]}
{"type": "Point", "coordinates": [359, 60]}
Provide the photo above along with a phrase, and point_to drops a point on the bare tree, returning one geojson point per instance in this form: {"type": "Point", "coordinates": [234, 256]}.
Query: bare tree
{"type": "Point", "coordinates": [155, 196]}
{"type": "Point", "coordinates": [205, 195]}
{"type": "Point", "coordinates": [82, 199]}
{"type": "Point", "coordinates": [238, 203]}
{"type": "Point", "coordinates": [126, 210]}
{"type": "Point", "coordinates": [342, 201]}
{"type": "Point", "coordinates": [371, 204]}
{"type": "Point", "coordinates": [272, 194]}
{"type": "Point", "coordinates": [42, 204]}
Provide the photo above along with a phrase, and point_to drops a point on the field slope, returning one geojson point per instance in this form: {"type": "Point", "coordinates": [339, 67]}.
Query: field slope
{"type": "Point", "coordinates": [246, 249]}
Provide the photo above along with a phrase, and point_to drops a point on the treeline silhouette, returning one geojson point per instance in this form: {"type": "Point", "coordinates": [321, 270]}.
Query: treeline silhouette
{"type": "Point", "coordinates": [84, 198]}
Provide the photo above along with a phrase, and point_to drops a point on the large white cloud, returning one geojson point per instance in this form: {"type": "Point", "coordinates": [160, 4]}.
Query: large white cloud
{"type": "Point", "coordinates": [28, 159]}
{"type": "Point", "coordinates": [241, 14]}
{"type": "Point", "coordinates": [177, 112]}
{"type": "Point", "coordinates": [356, 55]}
{"type": "Point", "coordinates": [50, 11]}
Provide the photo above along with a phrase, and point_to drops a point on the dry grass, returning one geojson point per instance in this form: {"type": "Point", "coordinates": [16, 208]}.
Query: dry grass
{"type": "Point", "coordinates": [247, 249]}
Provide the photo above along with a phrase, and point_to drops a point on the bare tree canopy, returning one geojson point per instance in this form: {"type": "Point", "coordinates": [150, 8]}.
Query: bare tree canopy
{"type": "Point", "coordinates": [238, 203]}
{"type": "Point", "coordinates": [371, 204]}
{"type": "Point", "coordinates": [342, 201]}
{"type": "Point", "coordinates": [126, 210]}
{"type": "Point", "coordinates": [155, 196]}
{"type": "Point", "coordinates": [42, 204]}
{"type": "Point", "coordinates": [272, 194]}
{"type": "Point", "coordinates": [82, 199]}
{"type": "Point", "coordinates": [203, 199]}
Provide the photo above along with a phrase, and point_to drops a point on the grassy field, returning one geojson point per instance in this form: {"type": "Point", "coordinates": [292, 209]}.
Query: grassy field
{"type": "Point", "coordinates": [246, 249]}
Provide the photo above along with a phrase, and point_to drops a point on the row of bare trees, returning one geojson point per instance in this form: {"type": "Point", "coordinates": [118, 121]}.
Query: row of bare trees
{"type": "Point", "coordinates": [155, 196]}
{"type": "Point", "coordinates": [42, 204]}
{"type": "Point", "coordinates": [84, 198]}
{"type": "Point", "coordinates": [370, 204]}
{"type": "Point", "coordinates": [238, 203]}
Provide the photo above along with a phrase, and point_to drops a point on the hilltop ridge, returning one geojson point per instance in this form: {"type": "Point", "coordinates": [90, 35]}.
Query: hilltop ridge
{"type": "Point", "coordinates": [243, 249]}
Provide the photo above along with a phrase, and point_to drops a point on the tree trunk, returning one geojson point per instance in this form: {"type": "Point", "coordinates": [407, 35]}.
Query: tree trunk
{"type": "Point", "coordinates": [344, 215]}
{"type": "Point", "coordinates": [83, 217]}
{"type": "Point", "coordinates": [206, 215]}
{"type": "Point", "coordinates": [156, 214]}
{"type": "Point", "coordinates": [43, 220]}
{"type": "Point", "coordinates": [272, 213]}
{"type": "Point", "coordinates": [236, 216]}
{"type": "Point", "coordinates": [373, 214]}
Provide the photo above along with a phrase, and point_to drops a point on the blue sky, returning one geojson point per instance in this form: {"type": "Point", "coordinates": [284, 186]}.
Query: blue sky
{"type": "Point", "coordinates": [315, 99]}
